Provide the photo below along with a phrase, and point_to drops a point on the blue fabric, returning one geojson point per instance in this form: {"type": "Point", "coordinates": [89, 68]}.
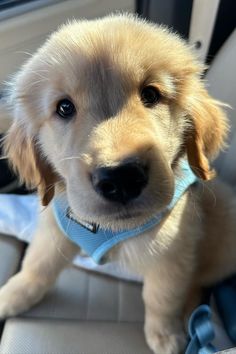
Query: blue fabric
{"type": "Point", "coordinates": [225, 297]}
{"type": "Point", "coordinates": [98, 242]}
{"type": "Point", "coordinates": [201, 332]}
{"type": "Point", "coordinates": [200, 326]}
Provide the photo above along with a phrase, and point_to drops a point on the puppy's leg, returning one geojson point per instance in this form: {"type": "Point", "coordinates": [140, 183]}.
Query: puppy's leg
{"type": "Point", "coordinates": [48, 254]}
{"type": "Point", "coordinates": [164, 292]}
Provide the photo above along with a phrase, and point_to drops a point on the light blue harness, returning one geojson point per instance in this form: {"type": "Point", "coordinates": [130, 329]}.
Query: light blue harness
{"type": "Point", "coordinates": [96, 241]}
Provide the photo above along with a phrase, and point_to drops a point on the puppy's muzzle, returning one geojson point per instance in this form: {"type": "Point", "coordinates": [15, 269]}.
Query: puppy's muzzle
{"type": "Point", "coordinates": [121, 183]}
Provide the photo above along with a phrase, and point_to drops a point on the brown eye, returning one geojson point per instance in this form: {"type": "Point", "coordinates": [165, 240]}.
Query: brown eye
{"type": "Point", "coordinates": [65, 109]}
{"type": "Point", "coordinates": [150, 96]}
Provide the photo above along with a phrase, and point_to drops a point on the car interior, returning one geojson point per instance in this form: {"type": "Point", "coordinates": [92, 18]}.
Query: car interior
{"type": "Point", "coordinates": [88, 312]}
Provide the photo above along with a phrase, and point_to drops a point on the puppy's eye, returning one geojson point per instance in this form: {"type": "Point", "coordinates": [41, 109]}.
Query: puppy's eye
{"type": "Point", "coordinates": [65, 109]}
{"type": "Point", "coordinates": [150, 96]}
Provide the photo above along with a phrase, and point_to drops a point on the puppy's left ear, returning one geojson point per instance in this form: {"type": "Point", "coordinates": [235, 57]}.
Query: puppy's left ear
{"type": "Point", "coordinates": [207, 134]}
{"type": "Point", "coordinates": [27, 160]}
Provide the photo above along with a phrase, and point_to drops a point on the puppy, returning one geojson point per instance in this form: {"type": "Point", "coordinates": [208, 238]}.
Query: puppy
{"type": "Point", "coordinates": [120, 93]}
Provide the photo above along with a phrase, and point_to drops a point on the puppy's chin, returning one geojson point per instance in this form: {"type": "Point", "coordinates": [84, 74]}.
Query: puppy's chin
{"type": "Point", "coordinates": [115, 216]}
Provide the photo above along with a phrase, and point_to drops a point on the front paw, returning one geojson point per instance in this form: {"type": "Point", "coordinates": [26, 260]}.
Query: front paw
{"type": "Point", "coordinates": [165, 340]}
{"type": "Point", "coordinates": [19, 294]}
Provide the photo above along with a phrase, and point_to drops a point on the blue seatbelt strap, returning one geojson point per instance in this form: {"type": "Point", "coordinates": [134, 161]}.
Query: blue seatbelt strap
{"type": "Point", "coordinates": [201, 332]}
{"type": "Point", "coordinates": [200, 326]}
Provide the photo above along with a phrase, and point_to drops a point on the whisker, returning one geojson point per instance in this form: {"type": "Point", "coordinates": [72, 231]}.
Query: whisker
{"type": "Point", "coordinates": [38, 73]}
{"type": "Point", "coordinates": [50, 186]}
{"type": "Point", "coordinates": [70, 158]}
{"type": "Point", "coordinates": [2, 139]}
{"type": "Point", "coordinates": [206, 186]}
{"type": "Point", "coordinates": [23, 52]}
{"type": "Point", "coordinates": [37, 82]}
{"type": "Point", "coordinates": [59, 249]}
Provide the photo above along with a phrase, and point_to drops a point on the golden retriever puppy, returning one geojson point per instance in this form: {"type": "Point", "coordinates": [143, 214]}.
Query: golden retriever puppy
{"type": "Point", "coordinates": [104, 114]}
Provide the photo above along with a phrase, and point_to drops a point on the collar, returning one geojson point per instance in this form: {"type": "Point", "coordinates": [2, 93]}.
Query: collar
{"type": "Point", "coordinates": [96, 241]}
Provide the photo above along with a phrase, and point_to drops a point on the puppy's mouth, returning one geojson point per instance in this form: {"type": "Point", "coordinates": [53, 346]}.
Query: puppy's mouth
{"type": "Point", "coordinates": [127, 215]}
{"type": "Point", "coordinates": [91, 226]}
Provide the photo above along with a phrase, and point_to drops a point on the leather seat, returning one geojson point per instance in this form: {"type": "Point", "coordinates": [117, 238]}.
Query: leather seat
{"type": "Point", "coordinates": [221, 79]}
{"type": "Point", "coordinates": [83, 313]}
{"type": "Point", "coordinates": [42, 336]}
{"type": "Point", "coordinates": [11, 252]}
{"type": "Point", "coordinates": [86, 313]}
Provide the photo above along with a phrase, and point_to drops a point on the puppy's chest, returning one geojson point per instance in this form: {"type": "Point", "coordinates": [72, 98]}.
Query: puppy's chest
{"type": "Point", "coordinates": [176, 233]}
{"type": "Point", "coordinates": [142, 251]}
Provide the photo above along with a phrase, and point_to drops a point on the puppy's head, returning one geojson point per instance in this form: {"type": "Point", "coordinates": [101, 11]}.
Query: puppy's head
{"type": "Point", "coordinates": [107, 108]}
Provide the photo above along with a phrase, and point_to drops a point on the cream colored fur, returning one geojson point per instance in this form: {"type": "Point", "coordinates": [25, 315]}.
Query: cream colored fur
{"type": "Point", "coordinates": [102, 66]}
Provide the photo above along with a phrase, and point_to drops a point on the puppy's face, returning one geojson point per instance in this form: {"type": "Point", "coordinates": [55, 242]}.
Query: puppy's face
{"type": "Point", "coordinates": [108, 107]}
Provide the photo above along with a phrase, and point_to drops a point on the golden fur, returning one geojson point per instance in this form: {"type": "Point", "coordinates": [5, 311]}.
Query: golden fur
{"type": "Point", "coordinates": [101, 66]}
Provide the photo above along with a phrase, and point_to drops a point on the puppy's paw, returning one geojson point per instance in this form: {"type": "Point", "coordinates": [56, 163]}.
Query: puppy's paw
{"type": "Point", "coordinates": [19, 294]}
{"type": "Point", "coordinates": [164, 340]}
{"type": "Point", "coordinates": [166, 344]}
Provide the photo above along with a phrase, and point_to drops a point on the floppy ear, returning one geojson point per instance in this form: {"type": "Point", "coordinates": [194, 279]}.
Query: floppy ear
{"type": "Point", "coordinates": [27, 160]}
{"type": "Point", "coordinates": [207, 134]}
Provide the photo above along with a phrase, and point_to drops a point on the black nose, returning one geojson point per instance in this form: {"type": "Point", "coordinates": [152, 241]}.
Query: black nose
{"type": "Point", "coordinates": [121, 183]}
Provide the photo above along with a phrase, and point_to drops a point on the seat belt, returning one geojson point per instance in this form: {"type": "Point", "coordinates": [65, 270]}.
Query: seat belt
{"type": "Point", "coordinates": [200, 326]}
{"type": "Point", "coordinates": [203, 17]}
{"type": "Point", "coordinates": [201, 332]}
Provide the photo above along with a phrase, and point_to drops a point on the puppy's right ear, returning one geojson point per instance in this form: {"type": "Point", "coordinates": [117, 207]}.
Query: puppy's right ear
{"type": "Point", "coordinates": [27, 160]}
{"type": "Point", "coordinates": [209, 127]}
